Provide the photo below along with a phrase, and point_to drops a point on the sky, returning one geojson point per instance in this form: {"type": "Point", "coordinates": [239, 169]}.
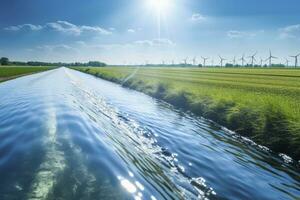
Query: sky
{"type": "Point", "coordinates": [148, 31]}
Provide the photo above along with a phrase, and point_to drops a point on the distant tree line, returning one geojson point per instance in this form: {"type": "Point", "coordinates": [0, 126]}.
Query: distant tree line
{"type": "Point", "coordinates": [6, 62]}
{"type": "Point", "coordinates": [256, 66]}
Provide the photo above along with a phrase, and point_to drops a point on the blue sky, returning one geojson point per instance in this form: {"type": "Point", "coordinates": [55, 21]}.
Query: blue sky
{"type": "Point", "coordinates": [129, 31]}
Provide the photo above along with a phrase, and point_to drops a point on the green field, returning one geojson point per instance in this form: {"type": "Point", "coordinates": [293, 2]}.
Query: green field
{"type": "Point", "coordinates": [262, 104]}
{"type": "Point", "coordinates": [7, 73]}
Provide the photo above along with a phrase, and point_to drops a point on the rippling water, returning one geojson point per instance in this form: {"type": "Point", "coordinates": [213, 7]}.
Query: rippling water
{"type": "Point", "coordinates": [68, 135]}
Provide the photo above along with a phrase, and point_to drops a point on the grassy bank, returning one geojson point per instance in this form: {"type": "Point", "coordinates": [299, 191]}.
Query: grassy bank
{"type": "Point", "coordinates": [262, 104]}
{"type": "Point", "coordinates": [10, 72]}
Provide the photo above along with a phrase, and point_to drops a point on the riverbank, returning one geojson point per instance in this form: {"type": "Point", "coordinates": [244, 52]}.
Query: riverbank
{"type": "Point", "coordinates": [12, 72]}
{"type": "Point", "coordinates": [262, 104]}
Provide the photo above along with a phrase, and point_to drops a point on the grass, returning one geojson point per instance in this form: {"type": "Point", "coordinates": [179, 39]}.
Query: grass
{"type": "Point", "coordinates": [10, 72]}
{"type": "Point", "coordinates": [262, 104]}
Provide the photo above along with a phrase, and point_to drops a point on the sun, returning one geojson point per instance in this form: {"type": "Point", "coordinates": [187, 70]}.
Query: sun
{"type": "Point", "coordinates": [159, 5]}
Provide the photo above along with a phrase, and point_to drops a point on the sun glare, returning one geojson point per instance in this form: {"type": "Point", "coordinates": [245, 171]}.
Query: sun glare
{"type": "Point", "coordinates": [159, 5]}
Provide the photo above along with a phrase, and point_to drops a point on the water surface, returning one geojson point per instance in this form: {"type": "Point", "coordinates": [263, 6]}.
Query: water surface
{"type": "Point", "coordinates": [69, 135]}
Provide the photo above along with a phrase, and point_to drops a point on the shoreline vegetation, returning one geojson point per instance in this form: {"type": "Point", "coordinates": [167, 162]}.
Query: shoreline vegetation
{"type": "Point", "coordinates": [12, 72]}
{"type": "Point", "coordinates": [261, 104]}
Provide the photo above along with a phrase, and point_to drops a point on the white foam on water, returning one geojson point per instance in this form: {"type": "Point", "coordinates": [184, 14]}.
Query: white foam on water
{"type": "Point", "coordinates": [147, 145]}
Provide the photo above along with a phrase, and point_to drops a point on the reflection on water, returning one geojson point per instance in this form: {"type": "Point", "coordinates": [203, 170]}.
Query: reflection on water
{"type": "Point", "coordinates": [68, 135]}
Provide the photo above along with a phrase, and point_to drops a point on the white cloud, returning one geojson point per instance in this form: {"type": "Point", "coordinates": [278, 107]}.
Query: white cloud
{"type": "Point", "coordinates": [131, 30]}
{"type": "Point", "coordinates": [197, 17]}
{"type": "Point", "coordinates": [292, 31]}
{"type": "Point", "coordinates": [234, 34]}
{"type": "Point", "coordinates": [140, 43]}
{"type": "Point", "coordinates": [88, 49]}
{"type": "Point", "coordinates": [95, 29]}
{"type": "Point", "coordinates": [81, 43]}
{"type": "Point", "coordinates": [144, 42]}
{"type": "Point", "coordinates": [134, 30]}
{"type": "Point", "coordinates": [62, 27]}
{"type": "Point", "coordinates": [24, 27]}
{"type": "Point", "coordinates": [56, 48]}
{"type": "Point", "coordinates": [29, 50]}
{"type": "Point", "coordinates": [155, 42]}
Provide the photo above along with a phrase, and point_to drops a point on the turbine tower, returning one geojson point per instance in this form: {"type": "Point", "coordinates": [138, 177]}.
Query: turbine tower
{"type": "Point", "coordinates": [296, 59]}
{"type": "Point", "coordinates": [243, 60]}
{"type": "Point", "coordinates": [221, 60]}
{"type": "Point", "coordinates": [185, 61]}
{"type": "Point", "coordinates": [253, 59]}
{"type": "Point", "coordinates": [194, 61]}
{"type": "Point", "coordinates": [287, 62]}
{"type": "Point", "coordinates": [270, 59]}
{"type": "Point", "coordinates": [261, 62]}
{"type": "Point", "coordinates": [204, 61]}
{"type": "Point", "coordinates": [234, 61]}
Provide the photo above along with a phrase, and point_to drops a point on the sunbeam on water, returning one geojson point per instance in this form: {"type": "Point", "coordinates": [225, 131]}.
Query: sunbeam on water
{"type": "Point", "coordinates": [68, 135]}
{"type": "Point", "coordinates": [53, 164]}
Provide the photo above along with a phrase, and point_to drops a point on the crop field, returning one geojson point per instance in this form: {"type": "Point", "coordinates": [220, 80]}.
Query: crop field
{"type": "Point", "coordinates": [262, 104]}
{"type": "Point", "coordinates": [10, 72]}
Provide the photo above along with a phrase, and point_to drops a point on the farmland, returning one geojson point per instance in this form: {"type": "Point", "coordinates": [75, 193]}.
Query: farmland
{"type": "Point", "coordinates": [7, 73]}
{"type": "Point", "coordinates": [262, 104]}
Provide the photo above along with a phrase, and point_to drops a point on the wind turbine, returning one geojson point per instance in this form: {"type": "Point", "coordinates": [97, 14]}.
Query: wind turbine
{"type": "Point", "coordinates": [270, 59]}
{"type": "Point", "coordinates": [185, 61]}
{"type": "Point", "coordinates": [253, 59]}
{"type": "Point", "coordinates": [221, 60]}
{"type": "Point", "coordinates": [212, 62]}
{"type": "Point", "coordinates": [261, 62]}
{"type": "Point", "coordinates": [234, 61]}
{"type": "Point", "coordinates": [204, 61]}
{"type": "Point", "coordinates": [173, 62]}
{"type": "Point", "coordinates": [296, 59]}
{"type": "Point", "coordinates": [243, 60]}
{"type": "Point", "coordinates": [194, 61]}
{"type": "Point", "coordinates": [287, 62]}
